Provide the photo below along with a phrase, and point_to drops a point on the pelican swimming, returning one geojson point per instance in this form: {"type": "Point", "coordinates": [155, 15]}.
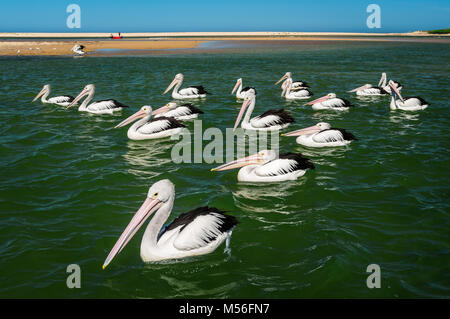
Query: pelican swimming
{"type": "Point", "coordinates": [99, 107]}
{"type": "Point", "coordinates": [78, 49]}
{"type": "Point", "coordinates": [197, 232]}
{"type": "Point", "coordinates": [330, 102]}
{"type": "Point", "coordinates": [370, 90]}
{"type": "Point", "coordinates": [299, 94]}
{"type": "Point", "coordinates": [265, 166]}
{"type": "Point", "coordinates": [322, 135]}
{"type": "Point", "coordinates": [183, 112]}
{"type": "Point", "coordinates": [271, 120]}
{"type": "Point", "coordinates": [147, 128]}
{"type": "Point", "coordinates": [296, 85]}
{"type": "Point", "coordinates": [407, 103]}
{"type": "Point", "coordinates": [241, 92]}
{"type": "Point", "coordinates": [191, 92]}
{"type": "Point", "coordinates": [63, 100]}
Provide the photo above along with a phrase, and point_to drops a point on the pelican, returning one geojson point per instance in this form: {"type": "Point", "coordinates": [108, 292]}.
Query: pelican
{"type": "Point", "coordinates": [241, 92]}
{"type": "Point", "coordinates": [147, 128]}
{"type": "Point", "coordinates": [271, 120]}
{"type": "Point", "coordinates": [191, 92]}
{"type": "Point", "coordinates": [183, 112]}
{"type": "Point", "coordinates": [295, 84]}
{"type": "Point", "coordinates": [264, 166]}
{"type": "Point", "coordinates": [330, 102]}
{"type": "Point", "coordinates": [407, 103]}
{"type": "Point", "coordinates": [370, 90]}
{"type": "Point", "coordinates": [322, 135]}
{"type": "Point", "coordinates": [99, 107]}
{"type": "Point", "coordinates": [299, 94]}
{"type": "Point", "coordinates": [197, 232]}
{"type": "Point", "coordinates": [63, 100]}
{"type": "Point", "coordinates": [383, 83]}
{"type": "Point", "coordinates": [78, 49]}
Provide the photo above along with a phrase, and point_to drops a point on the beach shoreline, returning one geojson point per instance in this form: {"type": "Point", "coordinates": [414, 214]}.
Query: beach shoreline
{"type": "Point", "coordinates": [60, 44]}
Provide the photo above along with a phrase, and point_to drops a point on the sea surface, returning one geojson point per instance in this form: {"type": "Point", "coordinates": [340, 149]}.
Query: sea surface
{"type": "Point", "coordinates": [70, 182]}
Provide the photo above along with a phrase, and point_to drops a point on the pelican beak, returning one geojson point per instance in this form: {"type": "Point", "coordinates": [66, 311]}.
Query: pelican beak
{"type": "Point", "coordinates": [319, 100]}
{"type": "Point", "coordinates": [149, 206]}
{"type": "Point", "coordinates": [357, 89]}
{"type": "Point", "coordinates": [241, 112]}
{"type": "Point", "coordinates": [39, 94]}
{"type": "Point", "coordinates": [396, 91]}
{"type": "Point", "coordinates": [75, 101]}
{"type": "Point", "coordinates": [139, 114]}
{"type": "Point", "coordinates": [252, 159]}
{"type": "Point", "coordinates": [304, 131]}
{"type": "Point", "coordinates": [163, 109]}
{"type": "Point", "coordinates": [175, 81]}
{"type": "Point", "coordinates": [236, 86]}
{"type": "Point", "coordinates": [282, 78]}
{"type": "Point", "coordinates": [382, 81]}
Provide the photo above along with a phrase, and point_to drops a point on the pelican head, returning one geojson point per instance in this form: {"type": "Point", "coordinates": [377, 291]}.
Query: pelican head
{"type": "Point", "coordinates": [88, 90]}
{"type": "Point", "coordinates": [166, 108]}
{"type": "Point", "coordinates": [145, 111]}
{"type": "Point", "coordinates": [322, 99]}
{"type": "Point", "coordinates": [287, 75]}
{"type": "Point", "coordinates": [395, 90]}
{"type": "Point", "coordinates": [309, 130]}
{"type": "Point", "coordinates": [178, 79]}
{"type": "Point", "coordinates": [249, 97]}
{"type": "Point", "coordinates": [45, 90]}
{"type": "Point", "coordinates": [238, 82]}
{"type": "Point", "coordinates": [259, 158]}
{"type": "Point", "coordinates": [159, 193]}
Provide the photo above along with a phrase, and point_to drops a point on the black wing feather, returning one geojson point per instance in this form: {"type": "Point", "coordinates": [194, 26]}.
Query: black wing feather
{"type": "Point", "coordinates": [228, 221]}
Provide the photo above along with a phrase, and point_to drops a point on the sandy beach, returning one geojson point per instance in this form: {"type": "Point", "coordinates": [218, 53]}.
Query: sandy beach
{"type": "Point", "coordinates": [54, 44]}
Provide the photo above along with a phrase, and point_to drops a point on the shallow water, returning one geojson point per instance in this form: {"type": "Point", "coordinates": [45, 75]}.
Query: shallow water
{"type": "Point", "coordinates": [70, 182]}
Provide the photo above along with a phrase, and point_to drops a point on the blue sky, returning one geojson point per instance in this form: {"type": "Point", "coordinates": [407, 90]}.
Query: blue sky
{"type": "Point", "coordinates": [218, 15]}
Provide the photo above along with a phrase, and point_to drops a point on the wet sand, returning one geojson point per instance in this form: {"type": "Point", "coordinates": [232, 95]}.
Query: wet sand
{"type": "Point", "coordinates": [38, 44]}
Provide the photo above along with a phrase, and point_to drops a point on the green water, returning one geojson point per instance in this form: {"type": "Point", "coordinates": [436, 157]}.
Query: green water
{"type": "Point", "coordinates": [70, 183]}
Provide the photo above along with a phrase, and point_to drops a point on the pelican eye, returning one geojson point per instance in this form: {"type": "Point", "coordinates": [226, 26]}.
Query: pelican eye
{"type": "Point", "coordinates": [155, 195]}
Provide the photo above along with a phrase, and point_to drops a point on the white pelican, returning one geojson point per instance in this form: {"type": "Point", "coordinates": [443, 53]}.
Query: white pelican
{"type": "Point", "coordinates": [241, 92]}
{"type": "Point", "coordinates": [407, 103]}
{"type": "Point", "coordinates": [191, 92]}
{"type": "Point", "coordinates": [370, 90]}
{"type": "Point", "coordinates": [295, 84]}
{"type": "Point", "coordinates": [322, 135]}
{"type": "Point", "coordinates": [99, 107]}
{"type": "Point", "coordinates": [147, 128]}
{"type": "Point", "coordinates": [299, 94]}
{"type": "Point", "coordinates": [183, 112]}
{"type": "Point", "coordinates": [78, 49]}
{"type": "Point", "coordinates": [330, 102]}
{"type": "Point", "coordinates": [194, 233]}
{"type": "Point", "coordinates": [271, 120]}
{"type": "Point", "coordinates": [63, 100]}
{"type": "Point", "coordinates": [264, 166]}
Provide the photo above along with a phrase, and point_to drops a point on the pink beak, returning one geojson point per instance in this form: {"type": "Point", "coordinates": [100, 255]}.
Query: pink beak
{"type": "Point", "coordinates": [174, 81]}
{"type": "Point", "coordinates": [148, 207]}
{"type": "Point", "coordinates": [319, 100]}
{"type": "Point", "coordinates": [397, 92]}
{"type": "Point", "coordinates": [235, 86]}
{"type": "Point", "coordinates": [83, 93]}
{"type": "Point", "coordinates": [252, 159]}
{"type": "Point", "coordinates": [304, 131]}
{"type": "Point", "coordinates": [241, 112]}
{"type": "Point", "coordinates": [139, 114]}
{"type": "Point", "coordinates": [365, 86]}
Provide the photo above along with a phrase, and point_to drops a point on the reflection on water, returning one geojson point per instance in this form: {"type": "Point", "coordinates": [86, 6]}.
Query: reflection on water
{"type": "Point", "coordinates": [144, 154]}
